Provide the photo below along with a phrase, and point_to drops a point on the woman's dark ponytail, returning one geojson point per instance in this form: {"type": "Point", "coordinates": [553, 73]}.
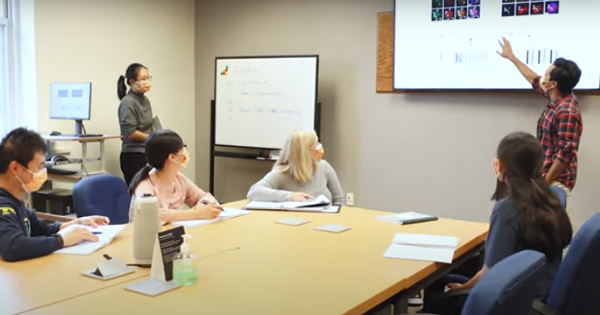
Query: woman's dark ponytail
{"type": "Point", "coordinates": [121, 88]}
{"type": "Point", "coordinates": [131, 73]}
{"type": "Point", "coordinates": [547, 227]}
{"type": "Point", "coordinates": [159, 145]}
{"type": "Point", "coordinates": [139, 177]}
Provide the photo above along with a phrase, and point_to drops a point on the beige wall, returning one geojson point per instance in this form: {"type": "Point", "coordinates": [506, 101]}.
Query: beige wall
{"type": "Point", "coordinates": [85, 40]}
{"type": "Point", "coordinates": [427, 152]}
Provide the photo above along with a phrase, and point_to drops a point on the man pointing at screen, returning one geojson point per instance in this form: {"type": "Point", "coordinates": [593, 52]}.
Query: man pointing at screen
{"type": "Point", "coordinates": [560, 125]}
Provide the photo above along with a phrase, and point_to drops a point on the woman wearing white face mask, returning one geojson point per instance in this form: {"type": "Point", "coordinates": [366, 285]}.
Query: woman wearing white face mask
{"type": "Point", "coordinates": [167, 155]}
{"type": "Point", "coordinates": [135, 118]}
{"type": "Point", "coordinates": [300, 173]}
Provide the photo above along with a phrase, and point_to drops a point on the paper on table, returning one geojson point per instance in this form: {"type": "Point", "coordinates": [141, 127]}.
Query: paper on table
{"type": "Point", "coordinates": [106, 236]}
{"type": "Point", "coordinates": [319, 204]}
{"type": "Point", "coordinates": [435, 254]}
{"type": "Point", "coordinates": [333, 228]}
{"type": "Point", "coordinates": [319, 201]}
{"type": "Point", "coordinates": [404, 216]}
{"type": "Point", "coordinates": [227, 213]}
{"type": "Point", "coordinates": [264, 205]}
{"type": "Point", "coordinates": [426, 240]}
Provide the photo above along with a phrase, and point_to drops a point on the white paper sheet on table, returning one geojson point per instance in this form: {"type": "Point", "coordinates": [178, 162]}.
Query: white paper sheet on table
{"type": "Point", "coordinates": [422, 247]}
{"type": "Point", "coordinates": [106, 236]}
{"type": "Point", "coordinates": [425, 240]}
{"type": "Point", "coordinates": [435, 254]}
{"type": "Point", "coordinates": [227, 213]}
{"type": "Point", "coordinates": [398, 218]}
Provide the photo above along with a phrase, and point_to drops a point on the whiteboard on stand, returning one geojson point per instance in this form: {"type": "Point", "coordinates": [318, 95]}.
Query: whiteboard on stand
{"type": "Point", "coordinates": [260, 100]}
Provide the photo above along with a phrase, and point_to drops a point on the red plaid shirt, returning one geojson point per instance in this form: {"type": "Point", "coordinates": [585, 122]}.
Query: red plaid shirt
{"type": "Point", "coordinates": [559, 131]}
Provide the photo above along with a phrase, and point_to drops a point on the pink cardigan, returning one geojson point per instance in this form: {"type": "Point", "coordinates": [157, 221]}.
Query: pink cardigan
{"type": "Point", "coordinates": [185, 192]}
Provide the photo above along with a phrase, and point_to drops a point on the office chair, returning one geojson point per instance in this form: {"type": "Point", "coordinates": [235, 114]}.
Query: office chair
{"type": "Point", "coordinates": [507, 288]}
{"type": "Point", "coordinates": [577, 283]}
{"type": "Point", "coordinates": [105, 195]}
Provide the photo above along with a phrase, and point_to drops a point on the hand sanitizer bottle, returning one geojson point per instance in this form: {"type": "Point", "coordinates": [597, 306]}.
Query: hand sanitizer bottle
{"type": "Point", "coordinates": [184, 270]}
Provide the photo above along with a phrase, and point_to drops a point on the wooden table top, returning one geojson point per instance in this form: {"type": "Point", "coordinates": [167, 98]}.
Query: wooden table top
{"type": "Point", "coordinates": [251, 265]}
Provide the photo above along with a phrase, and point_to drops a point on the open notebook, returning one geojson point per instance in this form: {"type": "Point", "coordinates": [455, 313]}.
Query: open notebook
{"type": "Point", "coordinates": [227, 213]}
{"type": "Point", "coordinates": [319, 204]}
{"type": "Point", "coordinates": [422, 247]}
{"type": "Point", "coordinates": [106, 234]}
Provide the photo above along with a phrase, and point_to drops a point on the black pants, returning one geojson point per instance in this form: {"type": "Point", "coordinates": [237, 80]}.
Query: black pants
{"type": "Point", "coordinates": [131, 163]}
{"type": "Point", "coordinates": [436, 302]}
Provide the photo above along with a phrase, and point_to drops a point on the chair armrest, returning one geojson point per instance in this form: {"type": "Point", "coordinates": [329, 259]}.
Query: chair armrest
{"type": "Point", "coordinates": [542, 308]}
{"type": "Point", "coordinates": [53, 217]}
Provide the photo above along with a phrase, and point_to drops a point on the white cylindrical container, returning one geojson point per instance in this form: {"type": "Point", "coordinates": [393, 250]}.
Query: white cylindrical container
{"type": "Point", "coordinates": [146, 226]}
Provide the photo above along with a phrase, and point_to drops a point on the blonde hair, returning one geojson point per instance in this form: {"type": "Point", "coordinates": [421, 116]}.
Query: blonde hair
{"type": "Point", "coordinates": [296, 158]}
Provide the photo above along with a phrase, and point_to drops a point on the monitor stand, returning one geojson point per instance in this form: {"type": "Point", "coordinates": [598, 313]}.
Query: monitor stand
{"type": "Point", "coordinates": [78, 131]}
{"type": "Point", "coordinates": [78, 127]}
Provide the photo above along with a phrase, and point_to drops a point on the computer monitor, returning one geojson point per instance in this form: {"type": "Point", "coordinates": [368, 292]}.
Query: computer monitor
{"type": "Point", "coordinates": [71, 101]}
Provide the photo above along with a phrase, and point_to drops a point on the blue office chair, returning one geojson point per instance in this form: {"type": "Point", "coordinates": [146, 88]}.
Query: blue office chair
{"type": "Point", "coordinates": [577, 283]}
{"type": "Point", "coordinates": [105, 195]}
{"type": "Point", "coordinates": [507, 288]}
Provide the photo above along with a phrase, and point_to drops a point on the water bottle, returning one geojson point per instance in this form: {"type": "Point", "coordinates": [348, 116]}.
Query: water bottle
{"type": "Point", "coordinates": [146, 226]}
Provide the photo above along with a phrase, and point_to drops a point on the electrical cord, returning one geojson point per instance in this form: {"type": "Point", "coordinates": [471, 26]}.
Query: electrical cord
{"type": "Point", "coordinates": [84, 168]}
{"type": "Point", "coordinates": [108, 257]}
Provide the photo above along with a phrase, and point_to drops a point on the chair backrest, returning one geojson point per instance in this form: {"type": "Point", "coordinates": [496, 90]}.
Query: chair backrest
{"type": "Point", "coordinates": [577, 283]}
{"type": "Point", "coordinates": [508, 287]}
{"type": "Point", "coordinates": [105, 195]}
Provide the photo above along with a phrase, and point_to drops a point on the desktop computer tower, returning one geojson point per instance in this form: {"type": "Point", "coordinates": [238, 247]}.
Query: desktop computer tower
{"type": "Point", "coordinates": [55, 201]}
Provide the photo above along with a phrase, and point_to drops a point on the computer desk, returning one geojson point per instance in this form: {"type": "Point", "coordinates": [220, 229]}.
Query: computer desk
{"type": "Point", "coordinates": [250, 265]}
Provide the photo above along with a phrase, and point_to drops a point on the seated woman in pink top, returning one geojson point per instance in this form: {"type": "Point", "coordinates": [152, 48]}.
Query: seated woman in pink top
{"type": "Point", "coordinates": [166, 156]}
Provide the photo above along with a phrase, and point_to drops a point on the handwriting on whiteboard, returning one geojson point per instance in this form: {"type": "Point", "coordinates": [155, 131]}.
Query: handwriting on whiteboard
{"type": "Point", "coordinates": [256, 93]}
{"type": "Point", "coordinates": [268, 110]}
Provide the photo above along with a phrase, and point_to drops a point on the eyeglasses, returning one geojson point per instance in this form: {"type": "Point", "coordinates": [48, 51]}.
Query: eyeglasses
{"type": "Point", "coordinates": [146, 80]}
{"type": "Point", "coordinates": [183, 150]}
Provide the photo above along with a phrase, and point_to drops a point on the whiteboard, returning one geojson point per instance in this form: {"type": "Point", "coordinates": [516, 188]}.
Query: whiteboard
{"type": "Point", "coordinates": [260, 100]}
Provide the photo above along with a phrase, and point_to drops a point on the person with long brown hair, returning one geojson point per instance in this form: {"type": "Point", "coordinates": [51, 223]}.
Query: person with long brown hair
{"type": "Point", "coordinates": [527, 215]}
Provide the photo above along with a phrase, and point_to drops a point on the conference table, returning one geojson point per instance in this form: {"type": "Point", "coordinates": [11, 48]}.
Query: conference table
{"type": "Point", "coordinates": [250, 265]}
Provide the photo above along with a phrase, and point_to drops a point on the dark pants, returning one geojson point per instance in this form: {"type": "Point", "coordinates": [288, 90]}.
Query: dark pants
{"type": "Point", "coordinates": [435, 302]}
{"type": "Point", "coordinates": [131, 163]}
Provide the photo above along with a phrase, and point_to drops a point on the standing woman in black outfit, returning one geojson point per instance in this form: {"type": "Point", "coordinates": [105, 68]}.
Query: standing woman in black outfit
{"type": "Point", "coordinates": [135, 118]}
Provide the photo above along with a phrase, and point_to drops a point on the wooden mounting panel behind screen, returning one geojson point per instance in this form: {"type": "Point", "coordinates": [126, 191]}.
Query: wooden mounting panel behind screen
{"type": "Point", "coordinates": [385, 58]}
{"type": "Point", "coordinates": [385, 52]}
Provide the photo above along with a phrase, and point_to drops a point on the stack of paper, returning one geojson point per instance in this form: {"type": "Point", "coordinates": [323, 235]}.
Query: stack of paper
{"type": "Point", "coordinates": [105, 233]}
{"type": "Point", "coordinates": [319, 204]}
{"type": "Point", "coordinates": [227, 213]}
{"type": "Point", "coordinates": [422, 247]}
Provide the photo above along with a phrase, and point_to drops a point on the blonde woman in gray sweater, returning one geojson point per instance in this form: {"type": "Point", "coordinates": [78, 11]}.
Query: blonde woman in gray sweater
{"type": "Point", "coordinates": [300, 173]}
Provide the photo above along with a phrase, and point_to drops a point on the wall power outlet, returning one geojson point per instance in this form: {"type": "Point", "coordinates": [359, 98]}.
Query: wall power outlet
{"type": "Point", "coordinates": [350, 199]}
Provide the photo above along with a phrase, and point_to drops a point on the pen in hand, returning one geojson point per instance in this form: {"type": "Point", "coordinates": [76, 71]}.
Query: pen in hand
{"type": "Point", "coordinates": [206, 202]}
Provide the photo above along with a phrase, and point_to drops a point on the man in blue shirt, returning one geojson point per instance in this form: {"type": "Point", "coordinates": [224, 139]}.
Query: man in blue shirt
{"type": "Point", "coordinates": [22, 234]}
